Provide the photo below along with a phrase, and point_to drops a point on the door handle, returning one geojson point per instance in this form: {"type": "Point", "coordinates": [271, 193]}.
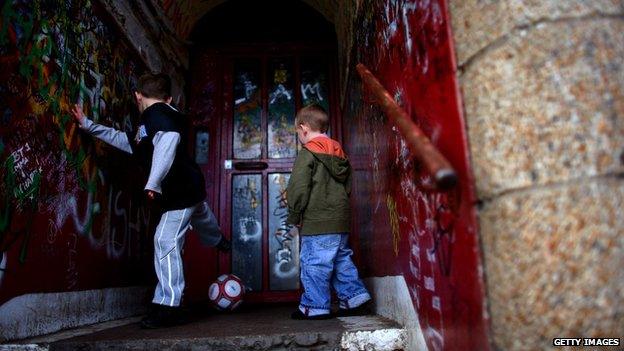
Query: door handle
{"type": "Point", "coordinates": [251, 165]}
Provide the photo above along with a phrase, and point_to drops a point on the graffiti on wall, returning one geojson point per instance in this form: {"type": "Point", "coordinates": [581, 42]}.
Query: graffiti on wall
{"type": "Point", "coordinates": [204, 95]}
{"type": "Point", "coordinates": [431, 235]}
{"type": "Point", "coordinates": [61, 193]}
{"type": "Point", "coordinates": [394, 223]}
{"type": "Point", "coordinates": [3, 262]}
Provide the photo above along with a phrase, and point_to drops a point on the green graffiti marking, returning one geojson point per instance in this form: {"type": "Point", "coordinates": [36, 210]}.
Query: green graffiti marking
{"type": "Point", "coordinates": [55, 50]}
{"type": "Point", "coordinates": [23, 197]}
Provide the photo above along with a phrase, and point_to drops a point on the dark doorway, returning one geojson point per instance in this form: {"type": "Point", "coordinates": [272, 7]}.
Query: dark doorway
{"type": "Point", "coordinates": [253, 65]}
{"type": "Point", "coordinates": [267, 21]}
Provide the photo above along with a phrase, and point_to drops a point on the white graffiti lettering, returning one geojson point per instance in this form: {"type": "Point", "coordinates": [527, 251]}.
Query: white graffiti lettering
{"type": "Point", "coordinates": [25, 169]}
{"type": "Point", "coordinates": [250, 88]}
{"type": "Point", "coordinates": [314, 89]}
{"type": "Point", "coordinates": [280, 91]}
{"type": "Point", "coordinates": [250, 229]}
{"type": "Point", "coordinates": [71, 271]}
{"type": "Point", "coordinates": [437, 341]}
{"type": "Point", "coordinates": [287, 257]}
{"type": "Point", "coordinates": [3, 265]}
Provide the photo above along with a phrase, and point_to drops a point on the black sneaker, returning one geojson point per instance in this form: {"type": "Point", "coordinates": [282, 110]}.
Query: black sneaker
{"type": "Point", "coordinates": [301, 316]}
{"type": "Point", "coordinates": [163, 316]}
{"type": "Point", "coordinates": [362, 310]}
{"type": "Point", "coordinates": [224, 245]}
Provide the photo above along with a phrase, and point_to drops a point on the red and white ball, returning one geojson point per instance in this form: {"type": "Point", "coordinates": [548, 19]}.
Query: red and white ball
{"type": "Point", "coordinates": [226, 293]}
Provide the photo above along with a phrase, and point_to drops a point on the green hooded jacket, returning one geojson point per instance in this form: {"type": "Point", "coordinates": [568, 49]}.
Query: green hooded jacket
{"type": "Point", "coordinates": [319, 187]}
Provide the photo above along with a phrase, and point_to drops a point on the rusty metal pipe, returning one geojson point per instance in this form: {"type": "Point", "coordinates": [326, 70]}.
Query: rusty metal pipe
{"type": "Point", "coordinates": [419, 145]}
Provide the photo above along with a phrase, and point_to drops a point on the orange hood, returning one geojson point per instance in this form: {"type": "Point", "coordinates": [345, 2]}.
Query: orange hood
{"type": "Point", "coordinates": [325, 145]}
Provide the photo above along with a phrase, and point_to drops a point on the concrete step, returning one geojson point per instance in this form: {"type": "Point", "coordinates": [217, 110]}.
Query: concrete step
{"type": "Point", "coordinates": [265, 328]}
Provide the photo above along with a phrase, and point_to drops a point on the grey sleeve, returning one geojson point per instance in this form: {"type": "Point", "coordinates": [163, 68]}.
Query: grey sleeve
{"type": "Point", "coordinates": [165, 146]}
{"type": "Point", "coordinates": [108, 135]}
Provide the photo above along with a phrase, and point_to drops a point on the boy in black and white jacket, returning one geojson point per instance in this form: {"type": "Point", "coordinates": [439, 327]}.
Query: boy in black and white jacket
{"type": "Point", "coordinates": [175, 181]}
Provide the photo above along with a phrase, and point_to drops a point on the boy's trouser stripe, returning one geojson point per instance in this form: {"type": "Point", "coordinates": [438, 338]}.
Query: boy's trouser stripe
{"type": "Point", "coordinates": [158, 267]}
{"type": "Point", "coordinates": [180, 279]}
{"type": "Point", "coordinates": [169, 279]}
{"type": "Point", "coordinates": [176, 252]}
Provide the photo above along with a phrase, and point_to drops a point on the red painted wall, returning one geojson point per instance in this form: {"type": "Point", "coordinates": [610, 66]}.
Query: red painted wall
{"type": "Point", "coordinates": [71, 215]}
{"type": "Point", "coordinates": [204, 91]}
{"type": "Point", "coordinates": [430, 238]}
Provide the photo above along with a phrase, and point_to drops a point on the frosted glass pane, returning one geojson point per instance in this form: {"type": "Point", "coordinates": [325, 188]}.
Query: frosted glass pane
{"type": "Point", "coordinates": [247, 111]}
{"type": "Point", "coordinates": [283, 243]}
{"type": "Point", "coordinates": [247, 229]}
{"type": "Point", "coordinates": [282, 138]}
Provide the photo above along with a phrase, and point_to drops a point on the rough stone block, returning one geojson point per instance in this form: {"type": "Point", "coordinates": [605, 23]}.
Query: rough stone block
{"type": "Point", "coordinates": [477, 23]}
{"type": "Point", "coordinates": [547, 106]}
{"type": "Point", "coordinates": [553, 260]}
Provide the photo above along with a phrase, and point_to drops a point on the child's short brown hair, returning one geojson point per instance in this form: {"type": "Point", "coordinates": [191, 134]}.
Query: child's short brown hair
{"type": "Point", "coordinates": [314, 116]}
{"type": "Point", "coordinates": [155, 86]}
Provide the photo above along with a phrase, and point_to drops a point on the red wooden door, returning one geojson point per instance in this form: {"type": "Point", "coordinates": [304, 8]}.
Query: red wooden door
{"type": "Point", "coordinates": [261, 89]}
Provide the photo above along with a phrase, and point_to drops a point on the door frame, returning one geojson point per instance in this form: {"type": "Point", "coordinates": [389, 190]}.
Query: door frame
{"type": "Point", "coordinates": [226, 55]}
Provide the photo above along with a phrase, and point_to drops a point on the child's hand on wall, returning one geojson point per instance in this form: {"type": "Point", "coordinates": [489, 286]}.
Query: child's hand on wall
{"type": "Point", "coordinates": [78, 115]}
{"type": "Point", "coordinates": [151, 195]}
{"type": "Point", "coordinates": [153, 199]}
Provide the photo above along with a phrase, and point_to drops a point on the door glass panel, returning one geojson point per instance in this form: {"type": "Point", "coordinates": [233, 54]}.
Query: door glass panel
{"type": "Point", "coordinates": [283, 243]}
{"type": "Point", "coordinates": [202, 144]}
{"type": "Point", "coordinates": [247, 110]}
{"type": "Point", "coordinates": [281, 133]}
{"type": "Point", "coordinates": [247, 229]}
{"type": "Point", "coordinates": [314, 88]}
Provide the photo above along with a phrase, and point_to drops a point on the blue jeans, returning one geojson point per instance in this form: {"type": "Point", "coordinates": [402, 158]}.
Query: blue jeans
{"type": "Point", "coordinates": [326, 262]}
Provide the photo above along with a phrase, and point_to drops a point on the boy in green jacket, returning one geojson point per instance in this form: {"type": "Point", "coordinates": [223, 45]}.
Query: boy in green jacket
{"type": "Point", "coordinates": [318, 203]}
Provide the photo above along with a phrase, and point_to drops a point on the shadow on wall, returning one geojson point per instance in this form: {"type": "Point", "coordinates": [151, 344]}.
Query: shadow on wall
{"type": "Point", "coordinates": [66, 208]}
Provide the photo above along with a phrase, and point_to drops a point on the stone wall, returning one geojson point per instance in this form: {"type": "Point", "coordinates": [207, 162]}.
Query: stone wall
{"type": "Point", "coordinates": [543, 90]}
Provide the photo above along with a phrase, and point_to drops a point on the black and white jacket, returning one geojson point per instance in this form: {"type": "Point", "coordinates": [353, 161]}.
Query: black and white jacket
{"type": "Point", "coordinates": [159, 144]}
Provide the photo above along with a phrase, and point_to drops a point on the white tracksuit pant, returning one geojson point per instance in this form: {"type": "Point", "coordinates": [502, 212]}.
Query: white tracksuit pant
{"type": "Point", "coordinates": [168, 243]}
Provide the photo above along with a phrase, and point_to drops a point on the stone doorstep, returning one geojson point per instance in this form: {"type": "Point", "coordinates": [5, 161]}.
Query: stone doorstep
{"type": "Point", "coordinates": [380, 339]}
{"type": "Point", "coordinates": [263, 329]}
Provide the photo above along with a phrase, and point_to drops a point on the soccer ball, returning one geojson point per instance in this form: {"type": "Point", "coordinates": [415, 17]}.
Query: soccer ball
{"type": "Point", "coordinates": [226, 293]}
